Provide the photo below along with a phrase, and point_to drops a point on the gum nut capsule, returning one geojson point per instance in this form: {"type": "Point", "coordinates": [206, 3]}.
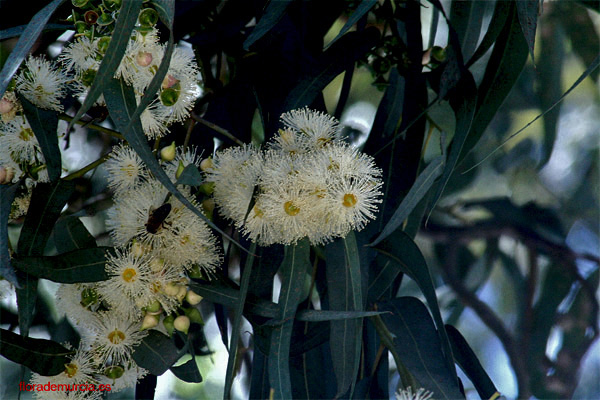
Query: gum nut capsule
{"type": "Point", "coordinates": [182, 323]}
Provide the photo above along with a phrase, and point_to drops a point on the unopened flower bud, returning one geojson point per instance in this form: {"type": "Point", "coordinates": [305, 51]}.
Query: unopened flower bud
{"type": "Point", "coordinates": [149, 322]}
{"type": "Point", "coordinates": [6, 106]}
{"type": "Point", "coordinates": [207, 188]}
{"type": "Point", "coordinates": [193, 298]}
{"type": "Point", "coordinates": [194, 315]}
{"type": "Point", "coordinates": [168, 323]}
{"type": "Point", "coordinates": [138, 249]}
{"type": "Point", "coordinates": [6, 175]}
{"type": "Point", "coordinates": [180, 169]}
{"type": "Point", "coordinates": [154, 307]}
{"type": "Point", "coordinates": [144, 58]}
{"type": "Point", "coordinates": [171, 289]}
{"type": "Point", "coordinates": [169, 81]}
{"type": "Point", "coordinates": [182, 324]}
{"type": "Point", "coordinates": [114, 372]}
{"type": "Point", "coordinates": [181, 293]}
{"type": "Point", "coordinates": [208, 206]}
{"type": "Point", "coordinates": [148, 17]}
{"type": "Point", "coordinates": [157, 264]}
{"type": "Point", "coordinates": [438, 53]}
{"type": "Point", "coordinates": [206, 164]}
{"type": "Point", "coordinates": [167, 153]}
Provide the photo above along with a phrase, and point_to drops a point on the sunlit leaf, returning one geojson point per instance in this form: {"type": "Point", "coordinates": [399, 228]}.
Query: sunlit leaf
{"type": "Point", "coordinates": [363, 8]}
{"type": "Point", "coordinates": [187, 372]}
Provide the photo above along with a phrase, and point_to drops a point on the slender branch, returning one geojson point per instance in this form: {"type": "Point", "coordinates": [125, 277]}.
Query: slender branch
{"type": "Point", "coordinates": [216, 128]}
{"type": "Point", "coordinates": [87, 168]}
{"type": "Point", "coordinates": [95, 127]}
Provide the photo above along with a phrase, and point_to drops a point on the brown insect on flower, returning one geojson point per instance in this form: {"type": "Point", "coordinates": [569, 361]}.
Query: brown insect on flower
{"type": "Point", "coordinates": [157, 218]}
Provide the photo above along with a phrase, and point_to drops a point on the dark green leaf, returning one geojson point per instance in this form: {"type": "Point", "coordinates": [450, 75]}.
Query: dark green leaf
{"type": "Point", "coordinates": [581, 31]}
{"type": "Point", "coordinates": [128, 16]}
{"type": "Point", "coordinates": [85, 265]}
{"type": "Point", "coordinates": [466, 19]}
{"type": "Point", "coordinates": [527, 10]}
{"type": "Point", "coordinates": [328, 315]}
{"type": "Point", "coordinates": [7, 195]}
{"type": "Point", "coordinates": [120, 100]}
{"type": "Point", "coordinates": [494, 28]}
{"type": "Point", "coordinates": [463, 103]}
{"type": "Point", "coordinates": [26, 299]}
{"type": "Point", "coordinates": [503, 68]}
{"type": "Point", "coordinates": [417, 344]}
{"type": "Point", "coordinates": [188, 371]}
{"type": "Point", "coordinates": [237, 321]}
{"type": "Point", "coordinates": [190, 176]}
{"type": "Point", "coordinates": [333, 62]}
{"type": "Point", "coordinates": [273, 13]}
{"type": "Point", "coordinates": [293, 269]}
{"type": "Point", "coordinates": [345, 294]}
{"type": "Point", "coordinates": [466, 358]}
{"type": "Point", "coordinates": [156, 353]}
{"type": "Point", "coordinates": [42, 356]}
{"type": "Point", "coordinates": [70, 234]}
{"type": "Point", "coordinates": [361, 10]}
{"type": "Point", "coordinates": [25, 43]}
{"type": "Point", "coordinates": [18, 30]}
{"type": "Point", "coordinates": [404, 253]}
{"type": "Point", "coordinates": [417, 192]}
{"type": "Point", "coordinates": [44, 124]}
{"type": "Point", "coordinates": [47, 201]}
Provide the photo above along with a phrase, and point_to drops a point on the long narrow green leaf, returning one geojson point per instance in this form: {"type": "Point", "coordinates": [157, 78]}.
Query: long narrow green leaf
{"type": "Point", "coordinates": [585, 74]}
{"type": "Point", "coordinates": [497, 22]}
{"type": "Point", "coordinates": [25, 43]}
{"type": "Point", "coordinates": [19, 30]}
{"type": "Point", "coordinates": [45, 357]}
{"type": "Point", "coordinates": [237, 322]}
{"type": "Point", "coordinates": [7, 195]}
{"type": "Point", "coordinates": [120, 100]}
{"type": "Point", "coordinates": [466, 358]}
{"type": "Point", "coordinates": [70, 234]}
{"type": "Point", "coordinates": [464, 105]}
{"type": "Point", "coordinates": [418, 346]}
{"type": "Point", "coordinates": [47, 201]}
{"type": "Point", "coordinates": [85, 265]}
{"type": "Point", "coordinates": [403, 252]}
{"type": "Point", "coordinates": [293, 269]}
{"type": "Point", "coordinates": [44, 124]}
{"type": "Point", "coordinates": [273, 13]}
{"type": "Point", "coordinates": [344, 287]}
{"type": "Point", "coordinates": [527, 11]}
{"type": "Point", "coordinates": [504, 67]}
{"type": "Point", "coordinates": [128, 16]}
{"type": "Point", "coordinates": [417, 192]}
{"type": "Point", "coordinates": [363, 8]}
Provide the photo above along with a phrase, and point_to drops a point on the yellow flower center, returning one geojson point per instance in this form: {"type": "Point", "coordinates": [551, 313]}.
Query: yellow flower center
{"type": "Point", "coordinates": [70, 369]}
{"type": "Point", "coordinates": [350, 200]}
{"type": "Point", "coordinates": [129, 275]}
{"type": "Point", "coordinates": [26, 134]}
{"type": "Point", "coordinates": [258, 212]}
{"type": "Point", "coordinates": [130, 170]}
{"type": "Point", "coordinates": [116, 336]}
{"type": "Point", "coordinates": [291, 209]}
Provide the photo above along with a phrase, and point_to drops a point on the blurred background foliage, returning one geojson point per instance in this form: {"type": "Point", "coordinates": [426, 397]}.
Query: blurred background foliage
{"type": "Point", "coordinates": [510, 231]}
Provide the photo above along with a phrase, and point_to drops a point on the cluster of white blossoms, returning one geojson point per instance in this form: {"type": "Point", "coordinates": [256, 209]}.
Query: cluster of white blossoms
{"type": "Point", "coordinates": [140, 63]}
{"type": "Point", "coordinates": [407, 394]}
{"type": "Point", "coordinates": [308, 183]}
{"type": "Point", "coordinates": [158, 241]}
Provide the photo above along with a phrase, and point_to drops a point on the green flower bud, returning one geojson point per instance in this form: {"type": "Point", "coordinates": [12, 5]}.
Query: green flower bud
{"type": "Point", "coordinates": [182, 324]}
{"type": "Point", "coordinates": [207, 188]}
{"type": "Point", "coordinates": [438, 53]}
{"type": "Point", "coordinates": [167, 153]}
{"type": "Point", "coordinates": [149, 322]}
{"type": "Point", "coordinates": [79, 3]}
{"type": "Point", "coordinates": [112, 5]}
{"type": "Point", "coordinates": [194, 315]}
{"type": "Point", "coordinates": [114, 372]}
{"type": "Point", "coordinates": [105, 19]}
{"type": "Point", "coordinates": [148, 17]}
{"type": "Point", "coordinates": [206, 164]}
{"type": "Point", "coordinates": [168, 323]}
{"type": "Point", "coordinates": [80, 26]}
{"type": "Point", "coordinates": [180, 169]}
{"type": "Point", "coordinates": [103, 44]}
{"type": "Point", "coordinates": [88, 77]}
{"type": "Point", "coordinates": [193, 298]}
{"type": "Point", "coordinates": [169, 96]}
{"type": "Point", "coordinates": [154, 307]}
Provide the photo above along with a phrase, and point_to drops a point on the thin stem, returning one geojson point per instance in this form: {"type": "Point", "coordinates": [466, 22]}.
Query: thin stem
{"type": "Point", "coordinates": [216, 128]}
{"type": "Point", "coordinates": [87, 168]}
{"type": "Point", "coordinates": [188, 133]}
{"type": "Point", "coordinates": [95, 127]}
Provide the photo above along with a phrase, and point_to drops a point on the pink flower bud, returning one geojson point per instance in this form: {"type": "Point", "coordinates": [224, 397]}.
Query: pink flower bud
{"type": "Point", "coordinates": [143, 59]}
